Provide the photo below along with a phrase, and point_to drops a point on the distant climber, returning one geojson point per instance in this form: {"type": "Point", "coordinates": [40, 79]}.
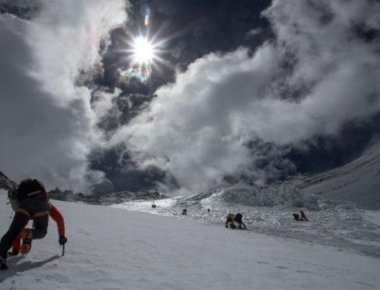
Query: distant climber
{"type": "Point", "coordinates": [239, 220]}
{"type": "Point", "coordinates": [30, 202]}
{"type": "Point", "coordinates": [235, 220]}
{"type": "Point", "coordinates": [230, 221]}
{"type": "Point", "coordinates": [303, 216]}
{"type": "Point", "coordinates": [300, 217]}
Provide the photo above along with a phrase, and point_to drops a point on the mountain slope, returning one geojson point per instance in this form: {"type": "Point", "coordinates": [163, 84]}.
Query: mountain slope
{"type": "Point", "coordinates": [357, 182]}
{"type": "Point", "coordinates": [110, 248]}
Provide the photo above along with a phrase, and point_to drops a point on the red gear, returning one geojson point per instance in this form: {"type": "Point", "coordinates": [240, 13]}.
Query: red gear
{"type": "Point", "coordinates": [55, 215]}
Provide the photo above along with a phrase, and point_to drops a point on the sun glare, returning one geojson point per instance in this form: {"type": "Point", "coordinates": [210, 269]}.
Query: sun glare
{"type": "Point", "coordinates": [143, 55]}
{"type": "Point", "coordinates": [143, 51]}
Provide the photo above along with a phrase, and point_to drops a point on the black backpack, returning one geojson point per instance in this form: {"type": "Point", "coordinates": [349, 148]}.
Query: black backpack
{"type": "Point", "coordinates": [30, 188]}
{"type": "Point", "coordinates": [238, 217]}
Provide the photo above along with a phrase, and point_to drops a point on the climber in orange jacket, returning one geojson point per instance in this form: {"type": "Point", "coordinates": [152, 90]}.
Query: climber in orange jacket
{"type": "Point", "coordinates": [56, 216]}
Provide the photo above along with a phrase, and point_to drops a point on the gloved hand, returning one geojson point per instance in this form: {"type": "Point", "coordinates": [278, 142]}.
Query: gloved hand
{"type": "Point", "coordinates": [62, 240]}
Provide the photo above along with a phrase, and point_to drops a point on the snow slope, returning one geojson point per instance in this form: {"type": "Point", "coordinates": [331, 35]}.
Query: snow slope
{"type": "Point", "coordinates": [342, 204]}
{"type": "Point", "coordinates": [357, 182]}
{"type": "Point", "coordinates": [111, 248]}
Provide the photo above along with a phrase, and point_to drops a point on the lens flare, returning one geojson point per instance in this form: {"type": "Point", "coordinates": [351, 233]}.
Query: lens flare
{"type": "Point", "coordinates": [143, 51]}
{"type": "Point", "coordinates": [146, 13]}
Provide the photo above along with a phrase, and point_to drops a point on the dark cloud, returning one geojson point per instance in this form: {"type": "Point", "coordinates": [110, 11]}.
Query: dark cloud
{"type": "Point", "coordinates": [20, 8]}
{"type": "Point", "coordinates": [190, 29]}
{"type": "Point", "coordinates": [241, 95]}
{"type": "Point", "coordinates": [315, 76]}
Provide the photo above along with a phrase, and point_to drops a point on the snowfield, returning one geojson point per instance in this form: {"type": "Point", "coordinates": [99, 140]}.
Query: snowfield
{"type": "Point", "coordinates": [110, 248]}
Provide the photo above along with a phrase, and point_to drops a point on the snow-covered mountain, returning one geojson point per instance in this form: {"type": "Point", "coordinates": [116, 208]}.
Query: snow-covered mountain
{"type": "Point", "coordinates": [337, 202]}
{"type": "Point", "coordinates": [110, 248]}
{"type": "Point", "coordinates": [357, 182]}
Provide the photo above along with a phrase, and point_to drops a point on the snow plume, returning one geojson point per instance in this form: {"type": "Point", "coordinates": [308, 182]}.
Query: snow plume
{"type": "Point", "coordinates": [319, 72]}
{"type": "Point", "coordinates": [47, 123]}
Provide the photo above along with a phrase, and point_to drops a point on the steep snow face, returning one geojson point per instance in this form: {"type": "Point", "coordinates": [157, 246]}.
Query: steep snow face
{"type": "Point", "coordinates": [357, 182]}
{"type": "Point", "coordinates": [116, 249]}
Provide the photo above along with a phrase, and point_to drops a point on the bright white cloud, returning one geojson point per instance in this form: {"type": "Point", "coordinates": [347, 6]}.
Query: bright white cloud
{"type": "Point", "coordinates": [47, 123]}
{"type": "Point", "coordinates": [197, 127]}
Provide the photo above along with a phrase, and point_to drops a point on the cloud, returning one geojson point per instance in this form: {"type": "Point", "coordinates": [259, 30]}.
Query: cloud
{"type": "Point", "coordinates": [319, 72]}
{"type": "Point", "coordinates": [48, 126]}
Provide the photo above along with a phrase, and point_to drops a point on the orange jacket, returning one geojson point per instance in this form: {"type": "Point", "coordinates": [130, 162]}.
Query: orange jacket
{"type": "Point", "coordinates": [56, 216]}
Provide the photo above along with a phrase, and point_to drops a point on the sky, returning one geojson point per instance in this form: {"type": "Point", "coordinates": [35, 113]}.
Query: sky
{"type": "Point", "coordinates": [237, 91]}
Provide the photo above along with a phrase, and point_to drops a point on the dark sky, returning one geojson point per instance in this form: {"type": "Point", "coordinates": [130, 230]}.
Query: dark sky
{"type": "Point", "coordinates": [191, 29]}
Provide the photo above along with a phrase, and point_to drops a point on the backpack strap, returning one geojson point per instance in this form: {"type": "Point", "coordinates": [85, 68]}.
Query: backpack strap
{"type": "Point", "coordinates": [36, 215]}
{"type": "Point", "coordinates": [40, 214]}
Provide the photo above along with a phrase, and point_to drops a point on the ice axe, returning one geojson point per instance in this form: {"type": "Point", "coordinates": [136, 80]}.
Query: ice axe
{"type": "Point", "coordinates": [62, 242]}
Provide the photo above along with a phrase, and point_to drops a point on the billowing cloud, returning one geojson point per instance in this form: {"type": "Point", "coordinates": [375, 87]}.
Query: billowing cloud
{"type": "Point", "coordinates": [47, 123]}
{"type": "Point", "coordinates": [319, 72]}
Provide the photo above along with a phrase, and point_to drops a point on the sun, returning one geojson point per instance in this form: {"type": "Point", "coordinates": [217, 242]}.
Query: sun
{"type": "Point", "coordinates": [144, 55]}
{"type": "Point", "coordinates": [143, 51]}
